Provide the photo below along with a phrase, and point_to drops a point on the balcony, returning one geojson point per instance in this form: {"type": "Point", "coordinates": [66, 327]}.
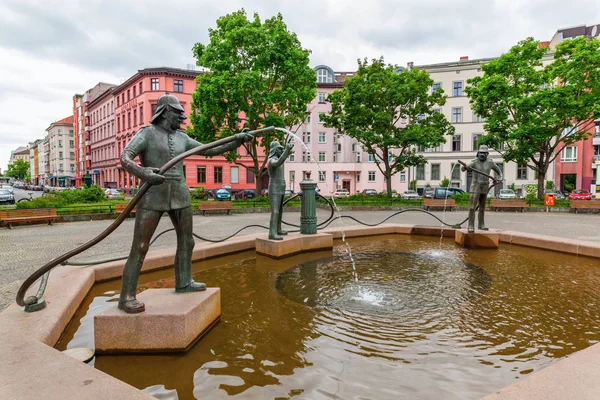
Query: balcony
{"type": "Point", "coordinates": [596, 139]}
{"type": "Point", "coordinates": [595, 162]}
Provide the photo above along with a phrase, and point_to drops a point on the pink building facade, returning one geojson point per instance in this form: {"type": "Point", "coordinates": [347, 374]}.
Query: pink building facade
{"type": "Point", "coordinates": [135, 102]}
{"type": "Point", "coordinates": [580, 163]}
{"type": "Point", "coordinates": [335, 161]}
{"type": "Point", "coordinates": [102, 145]}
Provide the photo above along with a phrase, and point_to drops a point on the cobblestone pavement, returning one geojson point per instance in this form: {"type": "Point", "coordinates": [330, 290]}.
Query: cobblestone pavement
{"type": "Point", "coordinates": [26, 248]}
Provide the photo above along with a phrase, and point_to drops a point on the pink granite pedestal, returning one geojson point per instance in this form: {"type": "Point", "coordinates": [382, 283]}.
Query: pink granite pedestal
{"type": "Point", "coordinates": [478, 239]}
{"type": "Point", "coordinates": [172, 322]}
{"type": "Point", "coordinates": [294, 243]}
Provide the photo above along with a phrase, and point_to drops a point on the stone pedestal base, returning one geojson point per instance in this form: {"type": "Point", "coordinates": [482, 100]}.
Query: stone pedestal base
{"type": "Point", "coordinates": [294, 243]}
{"type": "Point", "coordinates": [172, 322]}
{"type": "Point", "coordinates": [477, 240]}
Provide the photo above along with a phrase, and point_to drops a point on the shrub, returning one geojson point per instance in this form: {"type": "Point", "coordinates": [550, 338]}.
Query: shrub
{"type": "Point", "coordinates": [530, 197]}
{"type": "Point", "coordinates": [461, 198]}
{"type": "Point", "coordinates": [412, 185]}
{"type": "Point", "coordinates": [549, 184]}
{"type": "Point", "coordinates": [198, 193]}
{"type": "Point", "coordinates": [47, 201]}
{"type": "Point", "coordinates": [445, 182]}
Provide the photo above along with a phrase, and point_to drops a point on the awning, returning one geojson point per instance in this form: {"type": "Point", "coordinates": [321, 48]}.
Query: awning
{"type": "Point", "coordinates": [51, 177]}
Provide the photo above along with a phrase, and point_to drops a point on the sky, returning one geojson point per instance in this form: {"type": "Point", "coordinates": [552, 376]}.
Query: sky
{"type": "Point", "coordinates": [51, 49]}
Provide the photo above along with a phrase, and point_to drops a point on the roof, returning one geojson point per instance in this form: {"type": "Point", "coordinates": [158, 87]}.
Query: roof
{"type": "Point", "coordinates": [21, 150]}
{"type": "Point", "coordinates": [101, 97]}
{"type": "Point", "coordinates": [456, 63]}
{"type": "Point", "coordinates": [157, 71]}
{"type": "Point", "coordinates": [65, 121]}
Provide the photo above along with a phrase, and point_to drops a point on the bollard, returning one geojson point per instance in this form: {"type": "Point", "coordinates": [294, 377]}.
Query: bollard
{"type": "Point", "coordinates": [308, 209]}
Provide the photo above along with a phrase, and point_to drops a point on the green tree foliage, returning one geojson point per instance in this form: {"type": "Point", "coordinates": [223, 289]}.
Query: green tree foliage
{"type": "Point", "coordinates": [18, 169]}
{"type": "Point", "coordinates": [445, 182]}
{"type": "Point", "coordinates": [532, 108]}
{"type": "Point", "coordinates": [412, 185]}
{"type": "Point", "coordinates": [258, 75]}
{"type": "Point", "coordinates": [390, 113]}
{"type": "Point", "coordinates": [549, 184]}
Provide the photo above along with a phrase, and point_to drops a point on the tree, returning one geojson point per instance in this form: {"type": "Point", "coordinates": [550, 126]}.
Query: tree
{"type": "Point", "coordinates": [533, 111]}
{"type": "Point", "coordinates": [390, 113]}
{"type": "Point", "coordinates": [18, 169]}
{"type": "Point", "coordinates": [445, 182]}
{"type": "Point", "coordinates": [258, 75]}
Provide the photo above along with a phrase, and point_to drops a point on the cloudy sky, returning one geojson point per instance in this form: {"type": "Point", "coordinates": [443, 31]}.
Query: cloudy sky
{"type": "Point", "coordinates": [51, 49]}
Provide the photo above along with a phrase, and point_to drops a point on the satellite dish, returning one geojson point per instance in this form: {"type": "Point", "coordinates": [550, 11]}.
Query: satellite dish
{"type": "Point", "coordinates": [594, 30]}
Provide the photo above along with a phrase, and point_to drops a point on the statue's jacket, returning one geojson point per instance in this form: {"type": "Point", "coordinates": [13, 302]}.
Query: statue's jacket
{"type": "Point", "coordinates": [156, 146]}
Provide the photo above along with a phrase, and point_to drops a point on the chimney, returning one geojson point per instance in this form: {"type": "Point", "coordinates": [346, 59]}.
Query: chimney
{"type": "Point", "coordinates": [464, 58]}
{"type": "Point", "coordinates": [410, 65]}
{"type": "Point", "coordinates": [542, 45]}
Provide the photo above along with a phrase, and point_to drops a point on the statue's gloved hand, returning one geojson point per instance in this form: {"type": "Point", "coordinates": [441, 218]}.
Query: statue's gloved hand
{"type": "Point", "coordinates": [150, 175]}
{"type": "Point", "coordinates": [244, 136]}
{"type": "Point", "coordinates": [290, 146]}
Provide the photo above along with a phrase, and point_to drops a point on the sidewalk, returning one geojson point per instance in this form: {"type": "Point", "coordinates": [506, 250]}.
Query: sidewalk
{"type": "Point", "coordinates": [27, 248]}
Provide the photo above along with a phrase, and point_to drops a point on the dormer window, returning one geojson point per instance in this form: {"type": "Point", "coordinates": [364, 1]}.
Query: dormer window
{"type": "Point", "coordinates": [324, 76]}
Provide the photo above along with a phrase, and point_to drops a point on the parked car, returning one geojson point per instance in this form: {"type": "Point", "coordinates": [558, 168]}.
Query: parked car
{"type": "Point", "coordinates": [6, 196]}
{"type": "Point", "coordinates": [369, 192]}
{"type": "Point", "coordinates": [264, 192]}
{"type": "Point", "coordinates": [222, 194]}
{"type": "Point", "coordinates": [428, 193]}
{"type": "Point", "coordinates": [557, 193]}
{"type": "Point", "coordinates": [341, 193]}
{"type": "Point", "coordinates": [245, 194]}
{"type": "Point", "coordinates": [580, 194]}
{"type": "Point", "coordinates": [9, 188]}
{"type": "Point", "coordinates": [114, 194]}
{"type": "Point", "coordinates": [507, 194]}
{"type": "Point", "coordinates": [446, 192]}
{"type": "Point", "coordinates": [288, 192]}
{"type": "Point", "coordinates": [410, 194]}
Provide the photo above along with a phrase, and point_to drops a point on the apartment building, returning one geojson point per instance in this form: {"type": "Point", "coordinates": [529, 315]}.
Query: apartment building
{"type": "Point", "coordinates": [34, 161]}
{"type": "Point", "coordinates": [335, 161]}
{"type": "Point", "coordinates": [452, 77]}
{"type": "Point", "coordinates": [100, 134]}
{"type": "Point", "coordinates": [20, 153]}
{"type": "Point", "coordinates": [61, 153]}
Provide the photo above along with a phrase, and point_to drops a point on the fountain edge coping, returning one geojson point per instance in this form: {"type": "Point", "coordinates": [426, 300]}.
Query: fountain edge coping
{"type": "Point", "coordinates": [68, 286]}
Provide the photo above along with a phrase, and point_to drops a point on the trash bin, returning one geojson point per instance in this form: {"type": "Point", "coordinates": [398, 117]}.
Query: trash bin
{"type": "Point", "coordinates": [135, 190]}
{"type": "Point", "coordinates": [549, 199]}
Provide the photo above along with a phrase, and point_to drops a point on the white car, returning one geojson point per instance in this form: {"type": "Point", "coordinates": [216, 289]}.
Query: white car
{"type": "Point", "coordinates": [113, 194]}
{"type": "Point", "coordinates": [341, 193]}
{"type": "Point", "coordinates": [9, 188]}
{"type": "Point", "coordinates": [411, 194]}
{"type": "Point", "coordinates": [507, 194]}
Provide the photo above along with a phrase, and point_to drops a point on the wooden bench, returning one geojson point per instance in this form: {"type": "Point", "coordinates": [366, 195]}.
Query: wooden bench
{"type": "Point", "coordinates": [584, 204]}
{"type": "Point", "coordinates": [28, 215]}
{"type": "Point", "coordinates": [205, 206]}
{"type": "Point", "coordinates": [449, 203]}
{"type": "Point", "coordinates": [497, 203]}
{"type": "Point", "coordinates": [120, 207]}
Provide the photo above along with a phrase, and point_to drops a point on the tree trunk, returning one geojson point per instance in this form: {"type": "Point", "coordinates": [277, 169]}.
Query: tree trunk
{"type": "Point", "coordinates": [389, 183]}
{"type": "Point", "coordinates": [540, 183]}
{"type": "Point", "coordinates": [258, 182]}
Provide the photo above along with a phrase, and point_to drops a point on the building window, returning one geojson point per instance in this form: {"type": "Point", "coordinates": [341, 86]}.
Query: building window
{"type": "Point", "coordinates": [521, 171]}
{"type": "Point", "coordinates": [569, 154]}
{"type": "Point", "coordinates": [455, 173]}
{"type": "Point", "coordinates": [456, 142]}
{"type": "Point", "coordinates": [322, 97]}
{"type": "Point", "coordinates": [357, 176]}
{"type": "Point", "coordinates": [178, 86]}
{"type": "Point", "coordinates": [322, 137]}
{"type": "Point", "coordinates": [71, 143]}
{"type": "Point", "coordinates": [60, 155]}
{"type": "Point", "coordinates": [218, 174]}
{"type": "Point", "coordinates": [358, 157]}
{"type": "Point", "coordinates": [476, 137]}
{"type": "Point", "coordinates": [420, 172]}
{"type": "Point", "coordinates": [321, 115]}
{"type": "Point", "coordinates": [118, 123]}
{"type": "Point", "coordinates": [435, 172]}
{"type": "Point", "coordinates": [154, 84]}
{"type": "Point", "coordinates": [477, 118]}
{"type": "Point", "coordinates": [322, 176]}
{"type": "Point", "coordinates": [128, 95]}
{"type": "Point", "coordinates": [134, 117]}
{"type": "Point", "coordinates": [153, 110]}
{"type": "Point", "coordinates": [597, 150]}
{"type": "Point", "coordinates": [323, 76]}
{"type": "Point", "coordinates": [129, 120]}
{"type": "Point", "coordinates": [371, 176]}
{"type": "Point", "coordinates": [234, 175]}
{"type": "Point", "coordinates": [134, 89]}
{"type": "Point", "coordinates": [249, 176]}
{"type": "Point", "coordinates": [322, 156]}
{"type": "Point", "coordinates": [117, 101]}
{"type": "Point", "coordinates": [456, 115]}
{"type": "Point", "coordinates": [122, 98]}
{"type": "Point", "coordinates": [292, 157]}
{"type": "Point", "coordinates": [71, 133]}
{"type": "Point", "coordinates": [436, 86]}
{"type": "Point", "coordinates": [308, 119]}
{"type": "Point", "coordinates": [141, 115]}
{"type": "Point", "coordinates": [292, 177]}
{"type": "Point", "coordinates": [60, 143]}
{"type": "Point", "coordinates": [140, 87]}
{"type": "Point", "coordinates": [403, 176]}
{"type": "Point", "coordinates": [457, 88]}
{"type": "Point", "coordinates": [306, 137]}
{"type": "Point", "coordinates": [201, 174]}
{"type": "Point", "coordinates": [371, 158]}
{"type": "Point", "coordinates": [60, 131]}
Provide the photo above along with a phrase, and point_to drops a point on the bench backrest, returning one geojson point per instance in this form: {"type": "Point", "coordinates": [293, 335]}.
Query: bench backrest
{"type": "Point", "coordinates": [214, 205]}
{"type": "Point", "coordinates": [508, 203]}
{"type": "Point", "coordinates": [585, 203]}
{"type": "Point", "coordinates": [28, 212]}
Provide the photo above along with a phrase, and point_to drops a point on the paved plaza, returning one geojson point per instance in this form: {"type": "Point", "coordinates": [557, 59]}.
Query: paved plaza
{"type": "Point", "coordinates": [27, 248]}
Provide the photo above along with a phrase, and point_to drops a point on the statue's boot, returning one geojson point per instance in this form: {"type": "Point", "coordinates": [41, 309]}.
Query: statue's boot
{"type": "Point", "coordinates": [273, 226]}
{"type": "Point", "coordinates": [192, 287]}
{"type": "Point", "coordinates": [132, 306]}
{"type": "Point", "coordinates": [282, 232]}
{"type": "Point", "coordinates": [481, 226]}
{"type": "Point", "coordinates": [471, 226]}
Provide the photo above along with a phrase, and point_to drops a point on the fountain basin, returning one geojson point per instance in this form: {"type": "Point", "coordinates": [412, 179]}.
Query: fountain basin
{"type": "Point", "coordinates": [16, 324]}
